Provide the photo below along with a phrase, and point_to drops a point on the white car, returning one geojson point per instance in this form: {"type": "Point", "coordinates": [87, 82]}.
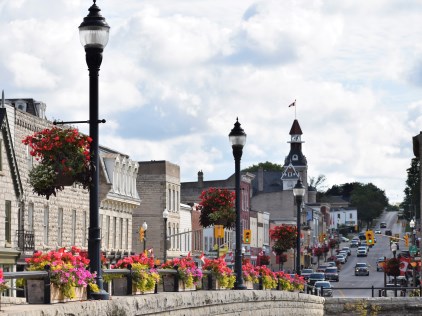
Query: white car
{"type": "Point", "coordinates": [362, 251]}
{"type": "Point", "coordinates": [344, 239]}
{"type": "Point", "coordinates": [341, 259]}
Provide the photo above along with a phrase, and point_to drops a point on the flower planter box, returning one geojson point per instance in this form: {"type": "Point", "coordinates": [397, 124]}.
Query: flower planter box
{"type": "Point", "coordinates": [248, 284]}
{"type": "Point", "coordinates": [210, 282]}
{"type": "Point", "coordinates": [35, 293]}
{"type": "Point", "coordinates": [171, 283]}
{"type": "Point", "coordinates": [64, 179]}
{"type": "Point", "coordinates": [119, 288]}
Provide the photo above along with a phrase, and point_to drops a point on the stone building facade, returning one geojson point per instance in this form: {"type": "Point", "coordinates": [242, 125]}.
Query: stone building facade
{"type": "Point", "coordinates": [63, 220]}
{"type": "Point", "coordinates": [158, 184]}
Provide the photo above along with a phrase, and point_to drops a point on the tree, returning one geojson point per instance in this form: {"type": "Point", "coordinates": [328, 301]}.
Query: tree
{"type": "Point", "coordinates": [318, 184]}
{"type": "Point", "coordinates": [268, 166]}
{"type": "Point", "coordinates": [411, 201]}
{"type": "Point", "coordinates": [369, 200]}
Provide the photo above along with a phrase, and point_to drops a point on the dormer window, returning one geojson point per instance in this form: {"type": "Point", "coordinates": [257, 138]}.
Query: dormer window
{"type": "Point", "coordinates": [295, 157]}
{"type": "Point", "coordinates": [21, 105]}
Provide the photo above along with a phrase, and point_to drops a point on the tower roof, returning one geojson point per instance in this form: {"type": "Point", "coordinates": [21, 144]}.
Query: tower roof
{"type": "Point", "coordinates": [295, 130]}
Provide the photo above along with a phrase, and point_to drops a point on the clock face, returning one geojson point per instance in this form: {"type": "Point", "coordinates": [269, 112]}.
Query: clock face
{"type": "Point", "coordinates": [296, 138]}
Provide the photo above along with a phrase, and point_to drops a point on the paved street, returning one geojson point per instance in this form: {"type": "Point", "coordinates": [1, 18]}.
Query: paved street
{"type": "Point", "coordinates": [381, 248]}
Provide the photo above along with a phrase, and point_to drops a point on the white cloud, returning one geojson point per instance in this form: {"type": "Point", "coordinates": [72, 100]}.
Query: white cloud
{"type": "Point", "coordinates": [175, 76]}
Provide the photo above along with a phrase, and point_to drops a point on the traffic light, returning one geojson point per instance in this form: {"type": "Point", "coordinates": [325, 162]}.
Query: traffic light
{"type": "Point", "coordinates": [406, 240]}
{"type": "Point", "coordinates": [141, 234]}
{"type": "Point", "coordinates": [218, 231]}
{"type": "Point", "coordinates": [246, 236]}
{"type": "Point", "coordinates": [369, 234]}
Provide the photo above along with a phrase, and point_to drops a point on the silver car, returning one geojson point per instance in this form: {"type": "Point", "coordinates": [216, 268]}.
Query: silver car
{"type": "Point", "coordinates": [323, 288]}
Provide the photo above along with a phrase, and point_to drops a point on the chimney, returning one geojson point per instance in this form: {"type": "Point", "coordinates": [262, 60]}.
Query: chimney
{"type": "Point", "coordinates": [200, 179]}
{"type": "Point", "coordinates": [260, 179]}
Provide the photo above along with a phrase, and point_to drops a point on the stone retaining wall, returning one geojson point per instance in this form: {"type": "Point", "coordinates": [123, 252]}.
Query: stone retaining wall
{"type": "Point", "coordinates": [242, 303]}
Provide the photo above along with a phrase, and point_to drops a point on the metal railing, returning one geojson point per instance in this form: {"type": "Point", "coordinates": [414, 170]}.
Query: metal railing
{"type": "Point", "coordinates": [26, 241]}
{"type": "Point", "coordinates": [382, 291]}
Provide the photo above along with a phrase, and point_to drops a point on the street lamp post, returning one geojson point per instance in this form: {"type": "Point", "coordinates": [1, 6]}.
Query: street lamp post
{"type": "Point", "coordinates": [237, 137]}
{"type": "Point", "coordinates": [412, 227]}
{"type": "Point", "coordinates": [165, 216]}
{"type": "Point", "coordinates": [145, 227]}
{"type": "Point", "coordinates": [93, 34]}
{"type": "Point", "coordinates": [298, 192]}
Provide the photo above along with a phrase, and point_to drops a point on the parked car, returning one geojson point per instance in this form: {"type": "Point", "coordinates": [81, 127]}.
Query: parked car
{"type": "Point", "coordinates": [378, 231]}
{"type": "Point", "coordinates": [344, 239]}
{"type": "Point", "coordinates": [380, 260]}
{"type": "Point", "coordinates": [331, 264]}
{"type": "Point", "coordinates": [345, 254]}
{"type": "Point", "coordinates": [316, 276]}
{"type": "Point", "coordinates": [321, 268]}
{"type": "Point", "coordinates": [361, 268]}
{"type": "Point", "coordinates": [355, 243]}
{"type": "Point", "coordinates": [347, 249]}
{"type": "Point", "coordinates": [341, 259]}
{"type": "Point", "coordinates": [305, 273]}
{"type": "Point", "coordinates": [362, 252]}
{"type": "Point", "coordinates": [331, 274]}
{"type": "Point", "coordinates": [323, 288]}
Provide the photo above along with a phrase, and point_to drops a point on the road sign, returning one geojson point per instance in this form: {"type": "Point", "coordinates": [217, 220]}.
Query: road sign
{"type": "Point", "coordinates": [413, 250]}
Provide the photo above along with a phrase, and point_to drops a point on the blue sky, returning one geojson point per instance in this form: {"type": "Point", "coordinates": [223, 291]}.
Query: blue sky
{"type": "Point", "coordinates": [176, 74]}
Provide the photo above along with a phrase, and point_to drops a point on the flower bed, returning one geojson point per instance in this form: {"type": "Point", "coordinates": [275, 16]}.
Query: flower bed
{"type": "Point", "coordinates": [186, 278]}
{"type": "Point", "coordinates": [144, 275]}
{"type": "Point", "coordinates": [250, 275]}
{"type": "Point", "coordinates": [221, 277]}
{"type": "Point", "coordinates": [68, 271]}
{"type": "Point", "coordinates": [268, 278]}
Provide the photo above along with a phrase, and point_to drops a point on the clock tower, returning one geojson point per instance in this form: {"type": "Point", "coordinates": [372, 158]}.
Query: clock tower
{"type": "Point", "coordinates": [295, 158]}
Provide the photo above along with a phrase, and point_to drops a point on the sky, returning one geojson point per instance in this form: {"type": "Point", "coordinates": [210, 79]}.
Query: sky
{"type": "Point", "coordinates": [176, 75]}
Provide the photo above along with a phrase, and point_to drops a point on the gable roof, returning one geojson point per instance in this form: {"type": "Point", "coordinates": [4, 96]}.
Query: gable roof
{"type": "Point", "coordinates": [10, 152]}
{"type": "Point", "coordinates": [290, 173]}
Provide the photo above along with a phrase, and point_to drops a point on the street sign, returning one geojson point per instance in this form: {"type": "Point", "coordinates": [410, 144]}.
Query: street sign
{"type": "Point", "coordinates": [413, 250]}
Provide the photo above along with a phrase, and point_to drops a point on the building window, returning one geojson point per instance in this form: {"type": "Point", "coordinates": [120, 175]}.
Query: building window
{"type": "Point", "coordinates": [8, 222]}
{"type": "Point", "coordinates": [121, 233]}
{"type": "Point", "coordinates": [127, 234]}
{"type": "Point", "coordinates": [350, 215]}
{"type": "Point", "coordinates": [84, 229]}
{"type": "Point", "coordinates": [29, 157]}
{"type": "Point", "coordinates": [31, 216]}
{"type": "Point", "coordinates": [73, 236]}
{"type": "Point", "coordinates": [45, 224]}
{"type": "Point", "coordinates": [60, 227]}
{"type": "Point", "coordinates": [169, 199]}
{"type": "Point", "coordinates": [107, 236]}
{"type": "Point", "coordinates": [114, 232]}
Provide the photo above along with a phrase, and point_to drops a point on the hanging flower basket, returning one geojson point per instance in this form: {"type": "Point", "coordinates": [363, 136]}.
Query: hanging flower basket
{"type": "Point", "coordinates": [217, 208]}
{"type": "Point", "coordinates": [64, 158]}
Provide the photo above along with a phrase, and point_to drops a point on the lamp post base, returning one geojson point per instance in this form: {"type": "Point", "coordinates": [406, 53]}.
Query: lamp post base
{"type": "Point", "coordinates": [101, 295]}
{"type": "Point", "coordinates": [240, 287]}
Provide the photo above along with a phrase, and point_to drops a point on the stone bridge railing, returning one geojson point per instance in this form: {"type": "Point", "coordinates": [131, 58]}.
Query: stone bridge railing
{"type": "Point", "coordinates": [197, 303]}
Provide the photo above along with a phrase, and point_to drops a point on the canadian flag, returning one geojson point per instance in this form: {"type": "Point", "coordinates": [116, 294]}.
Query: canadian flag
{"type": "Point", "coordinates": [404, 262]}
{"type": "Point", "coordinates": [151, 252]}
{"type": "Point", "coordinates": [202, 257]}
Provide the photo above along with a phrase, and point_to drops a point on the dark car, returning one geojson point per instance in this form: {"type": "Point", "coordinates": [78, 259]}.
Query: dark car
{"type": "Point", "coordinates": [316, 276]}
{"type": "Point", "coordinates": [331, 274]}
{"type": "Point", "coordinates": [388, 232]}
{"type": "Point", "coordinates": [305, 273]}
{"type": "Point", "coordinates": [323, 288]}
{"type": "Point", "coordinates": [361, 268]}
{"type": "Point", "coordinates": [380, 263]}
{"type": "Point", "coordinates": [383, 225]}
